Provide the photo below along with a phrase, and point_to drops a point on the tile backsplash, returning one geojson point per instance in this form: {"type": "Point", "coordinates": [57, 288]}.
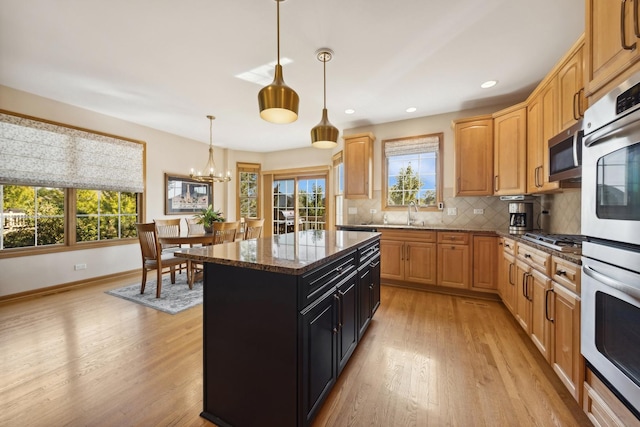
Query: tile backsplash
{"type": "Point", "coordinates": [563, 215]}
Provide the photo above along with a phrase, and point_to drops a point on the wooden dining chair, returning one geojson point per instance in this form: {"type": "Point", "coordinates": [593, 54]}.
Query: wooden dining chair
{"type": "Point", "coordinates": [193, 227]}
{"type": "Point", "coordinates": [224, 232]}
{"type": "Point", "coordinates": [168, 228]}
{"type": "Point", "coordinates": [252, 228]}
{"type": "Point", "coordinates": [154, 259]}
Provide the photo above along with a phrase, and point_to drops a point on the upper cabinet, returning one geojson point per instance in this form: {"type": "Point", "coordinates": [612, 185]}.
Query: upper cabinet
{"type": "Point", "coordinates": [571, 101]}
{"type": "Point", "coordinates": [612, 43]}
{"type": "Point", "coordinates": [542, 124]}
{"type": "Point", "coordinates": [358, 165]}
{"type": "Point", "coordinates": [473, 156]}
{"type": "Point", "coordinates": [510, 151]}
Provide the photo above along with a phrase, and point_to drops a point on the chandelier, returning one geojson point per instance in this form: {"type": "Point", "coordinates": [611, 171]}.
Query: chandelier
{"type": "Point", "coordinates": [210, 173]}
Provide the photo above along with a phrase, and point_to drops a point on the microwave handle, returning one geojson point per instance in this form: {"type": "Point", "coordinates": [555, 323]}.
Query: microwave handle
{"type": "Point", "coordinates": [595, 275]}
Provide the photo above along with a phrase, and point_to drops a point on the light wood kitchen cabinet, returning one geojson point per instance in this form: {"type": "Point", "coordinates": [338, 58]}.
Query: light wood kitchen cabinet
{"type": "Point", "coordinates": [485, 262]}
{"type": "Point", "coordinates": [408, 256]}
{"type": "Point", "coordinates": [453, 260]}
{"type": "Point", "coordinates": [473, 156]}
{"type": "Point", "coordinates": [602, 407]}
{"type": "Point", "coordinates": [612, 45]}
{"type": "Point", "coordinates": [565, 357]}
{"type": "Point", "coordinates": [358, 165]}
{"type": "Point", "coordinates": [542, 124]}
{"type": "Point", "coordinates": [510, 151]}
{"type": "Point", "coordinates": [508, 286]}
{"type": "Point", "coordinates": [571, 100]}
{"type": "Point", "coordinates": [541, 324]}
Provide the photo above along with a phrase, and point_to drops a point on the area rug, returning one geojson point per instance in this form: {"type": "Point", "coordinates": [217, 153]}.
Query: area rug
{"type": "Point", "coordinates": [174, 298]}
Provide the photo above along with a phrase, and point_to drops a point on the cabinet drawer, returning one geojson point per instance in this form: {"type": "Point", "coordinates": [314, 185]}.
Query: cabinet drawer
{"type": "Point", "coordinates": [453, 237]}
{"type": "Point", "coordinates": [367, 252]}
{"type": "Point", "coordinates": [316, 282]}
{"type": "Point", "coordinates": [537, 259]}
{"type": "Point", "coordinates": [427, 236]}
{"type": "Point", "coordinates": [509, 246]}
{"type": "Point", "coordinates": [566, 273]}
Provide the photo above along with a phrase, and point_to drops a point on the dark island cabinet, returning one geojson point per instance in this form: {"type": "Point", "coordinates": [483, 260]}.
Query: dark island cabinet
{"type": "Point", "coordinates": [275, 342]}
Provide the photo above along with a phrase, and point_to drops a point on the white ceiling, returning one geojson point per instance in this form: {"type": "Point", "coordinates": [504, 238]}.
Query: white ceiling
{"type": "Point", "coordinates": [167, 64]}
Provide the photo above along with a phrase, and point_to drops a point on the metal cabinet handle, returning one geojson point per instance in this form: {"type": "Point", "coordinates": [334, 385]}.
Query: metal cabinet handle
{"type": "Point", "coordinates": [623, 38]}
{"type": "Point", "coordinates": [561, 273]}
{"type": "Point", "coordinates": [527, 255]}
{"type": "Point", "coordinates": [510, 281]}
{"type": "Point", "coordinates": [495, 183]}
{"type": "Point", "coordinates": [524, 285]}
{"type": "Point", "coordinates": [408, 252]}
{"type": "Point", "coordinates": [576, 111]}
{"type": "Point", "coordinates": [546, 305]}
{"type": "Point", "coordinates": [337, 298]}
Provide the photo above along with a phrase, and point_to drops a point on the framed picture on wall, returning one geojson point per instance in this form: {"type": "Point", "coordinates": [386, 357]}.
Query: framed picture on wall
{"type": "Point", "coordinates": [184, 195]}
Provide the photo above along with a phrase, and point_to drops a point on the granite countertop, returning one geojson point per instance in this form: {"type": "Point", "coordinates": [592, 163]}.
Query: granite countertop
{"type": "Point", "coordinates": [571, 257]}
{"type": "Point", "coordinates": [292, 253]}
{"type": "Point", "coordinates": [426, 227]}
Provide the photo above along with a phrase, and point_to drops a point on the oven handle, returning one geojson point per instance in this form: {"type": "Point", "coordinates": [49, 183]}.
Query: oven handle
{"type": "Point", "coordinates": [625, 126]}
{"type": "Point", "coordinates": [629, 290]}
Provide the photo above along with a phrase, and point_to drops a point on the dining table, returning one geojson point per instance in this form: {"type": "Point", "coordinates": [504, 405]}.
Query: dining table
{"type": "Point", "coordinates": [191, 239]}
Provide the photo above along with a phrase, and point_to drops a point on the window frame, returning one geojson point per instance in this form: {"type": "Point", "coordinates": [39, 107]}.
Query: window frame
{"type": "Point", "coordinates": [251, 168]}
{"type": "Point", "coordinates": [439, 172]}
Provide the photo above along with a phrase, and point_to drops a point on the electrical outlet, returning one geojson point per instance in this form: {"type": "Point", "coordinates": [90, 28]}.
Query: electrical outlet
{"type": "Point", "coordinates": [452, 211]}
{"type": "Point", "coordinates": [440, 205]}
{"type": "Point", "coordinates": [478, 211]}
{"type": "Point", "coordinates": [353, 211]}
{"type": "Point", "coordinates": [372, 211]}
{"type": "Point", "coordinates": [80, 267]}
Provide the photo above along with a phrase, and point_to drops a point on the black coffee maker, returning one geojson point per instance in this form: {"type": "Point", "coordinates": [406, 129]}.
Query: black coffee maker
{"type": "Point", "coordinates": [520, 217]}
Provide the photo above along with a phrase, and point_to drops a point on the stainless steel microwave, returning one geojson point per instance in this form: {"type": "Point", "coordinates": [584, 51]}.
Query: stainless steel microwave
{"type": "Point", "coordinates": [565, 154]}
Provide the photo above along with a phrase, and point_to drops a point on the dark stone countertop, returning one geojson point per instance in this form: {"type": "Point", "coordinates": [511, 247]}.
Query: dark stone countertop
{"type": "Point", "coordinates": [426, 227]}
{"type": "Point", "coordinates": [292, 253]}
{"type": "Point", "coordinates": [568, 256]}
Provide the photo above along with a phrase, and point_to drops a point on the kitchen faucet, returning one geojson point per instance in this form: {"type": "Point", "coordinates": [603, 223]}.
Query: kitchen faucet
{"type": "Point", "coordinates": [409, 220]}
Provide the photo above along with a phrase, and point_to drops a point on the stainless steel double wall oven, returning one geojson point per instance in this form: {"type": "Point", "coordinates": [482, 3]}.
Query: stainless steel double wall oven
{"type": "Point", "coordinates": [610, 330]}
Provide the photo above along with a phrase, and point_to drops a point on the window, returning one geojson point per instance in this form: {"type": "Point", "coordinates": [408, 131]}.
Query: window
{"type": "Point", "coordinates": [300, 201]}
{"type": "Point", "coordinates": [338, 167]}
{"type": "Point", "coordinates": [248, 201]}
{"type": "Point", "coordinates": [64, 188]}
{"type": "Point", "coordinates": [413, 171]}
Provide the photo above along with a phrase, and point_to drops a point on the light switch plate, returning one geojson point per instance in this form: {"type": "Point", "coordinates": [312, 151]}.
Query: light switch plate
{"type": "Point", "coordinates": [452, 211]}
{"type": "Point", "coordinates": [478, 211]}
{"type": "Point", "coordinates": [353, 210]}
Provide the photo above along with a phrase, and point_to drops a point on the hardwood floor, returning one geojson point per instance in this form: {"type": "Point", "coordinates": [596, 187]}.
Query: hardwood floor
{"type": "Point", "coordinates": [82, 357]}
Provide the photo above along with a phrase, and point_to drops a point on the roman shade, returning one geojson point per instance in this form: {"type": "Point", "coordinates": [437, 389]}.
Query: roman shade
{"type": "Point", "coordinates": [412, 145]}
{"type": "Point", "coordinates": [44, 154]}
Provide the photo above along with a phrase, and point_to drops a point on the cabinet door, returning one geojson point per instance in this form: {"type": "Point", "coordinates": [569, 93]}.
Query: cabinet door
{"type": "Point", "coordinates": [542, 125]}
{"type": "Point", "coordinates": [319, 350]}
{"type": "Point", "coordinates": [485, 264]}
{"type": "Point", "coordinates": [522, 303]}
{"type": "Point", "coordinates": [509, 282]}
{"type": "Point", "coordinates": [392, 259]}
{"type": "Point", "coordinates": [510, 156]}
{"type": "Point", "coordinates": [612, 46]}
{"type": "Point", "coordinates": [375, 284]}
{"type": "Point", "coordinates": [358, 163]}
{"type": "Point", "coordinates": [566, 359]}
{"type": "Point", "coordinates": [347, 320]}
{"type": "Point", "coordinates": [420, 262]}
{"type": "Point", "coordinates": [453, 266]}
{"type": "Point", "coordinates": [474, 157]}
{"type": "Point", "coordinates": [571, 102]}
{"type": "Point", "coordinates": [365, 289]}
{"type": "Point", "coordinates": [540, 320]}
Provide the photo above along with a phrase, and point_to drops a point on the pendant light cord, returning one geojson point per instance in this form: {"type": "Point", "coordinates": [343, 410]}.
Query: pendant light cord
{"type": "Point", "coordinates": [324, 66]}
{"type": "Point", "coordinates": [278, 28]}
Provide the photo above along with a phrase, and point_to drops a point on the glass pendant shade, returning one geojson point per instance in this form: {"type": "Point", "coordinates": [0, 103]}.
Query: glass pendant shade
{"type": "Point", "coordinates": [278, 102]}
{"type": "Point", "coordinates": [324, 134]}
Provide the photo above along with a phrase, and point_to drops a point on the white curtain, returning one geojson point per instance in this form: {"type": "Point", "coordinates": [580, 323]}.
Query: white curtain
{"type": "Point", "coordinates": [50, 155]}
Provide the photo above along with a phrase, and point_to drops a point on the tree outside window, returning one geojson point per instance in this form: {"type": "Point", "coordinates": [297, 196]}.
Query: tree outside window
{"type": "Point", "coordinates": [412, 171]}
{"type": "Point", "coordinates": [248, 190]}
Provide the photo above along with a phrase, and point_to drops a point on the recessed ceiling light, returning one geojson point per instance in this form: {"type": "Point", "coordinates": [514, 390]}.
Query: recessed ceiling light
{"type": "Point", "coordinates": [262, 75]}
{"type": "Point", "coordinates": [411, 109]}
{"type": "Point", "coordinates": [488, 84]}
{"type": "Point", "coordinates": [349, 111]}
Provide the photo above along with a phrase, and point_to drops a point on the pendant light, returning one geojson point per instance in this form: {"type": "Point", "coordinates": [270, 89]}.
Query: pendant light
{"type": "Point", "coordinates": [210, 173]}
{"type": "Point", "coordinates": [278, 102]}
{"type": "Point", "coordinates": [324, 134]}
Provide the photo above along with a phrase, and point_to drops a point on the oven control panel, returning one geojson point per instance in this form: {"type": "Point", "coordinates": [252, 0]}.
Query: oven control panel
{"type": "Point", "coordinates": [628, 99]}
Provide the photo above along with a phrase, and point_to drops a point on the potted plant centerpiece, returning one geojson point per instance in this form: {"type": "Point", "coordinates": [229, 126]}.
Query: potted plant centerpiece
{"type": "Point", "coordinates": [208, 216]}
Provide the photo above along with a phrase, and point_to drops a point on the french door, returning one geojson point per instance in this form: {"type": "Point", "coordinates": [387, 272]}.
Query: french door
{"type": "Point", "coordinates": [299, 203]}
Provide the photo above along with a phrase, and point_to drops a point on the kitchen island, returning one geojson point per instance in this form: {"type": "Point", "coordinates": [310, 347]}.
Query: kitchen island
{"type": "Point", "coordinates": [281, 317]}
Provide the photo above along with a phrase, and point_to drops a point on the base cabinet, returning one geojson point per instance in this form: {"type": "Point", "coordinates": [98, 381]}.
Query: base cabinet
{"type": "Point", "coordinates": [453, 260]}
{"type": "Point", "coordinates": [408, 256]}
{"type": "Point", "coordinates": [485, 264]}
{"type": "Point", "coordinates": [602, 407]}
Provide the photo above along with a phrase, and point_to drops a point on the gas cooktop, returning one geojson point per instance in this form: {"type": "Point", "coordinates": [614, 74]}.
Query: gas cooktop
{"type": "Point", "coordinates": [560, 242]}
